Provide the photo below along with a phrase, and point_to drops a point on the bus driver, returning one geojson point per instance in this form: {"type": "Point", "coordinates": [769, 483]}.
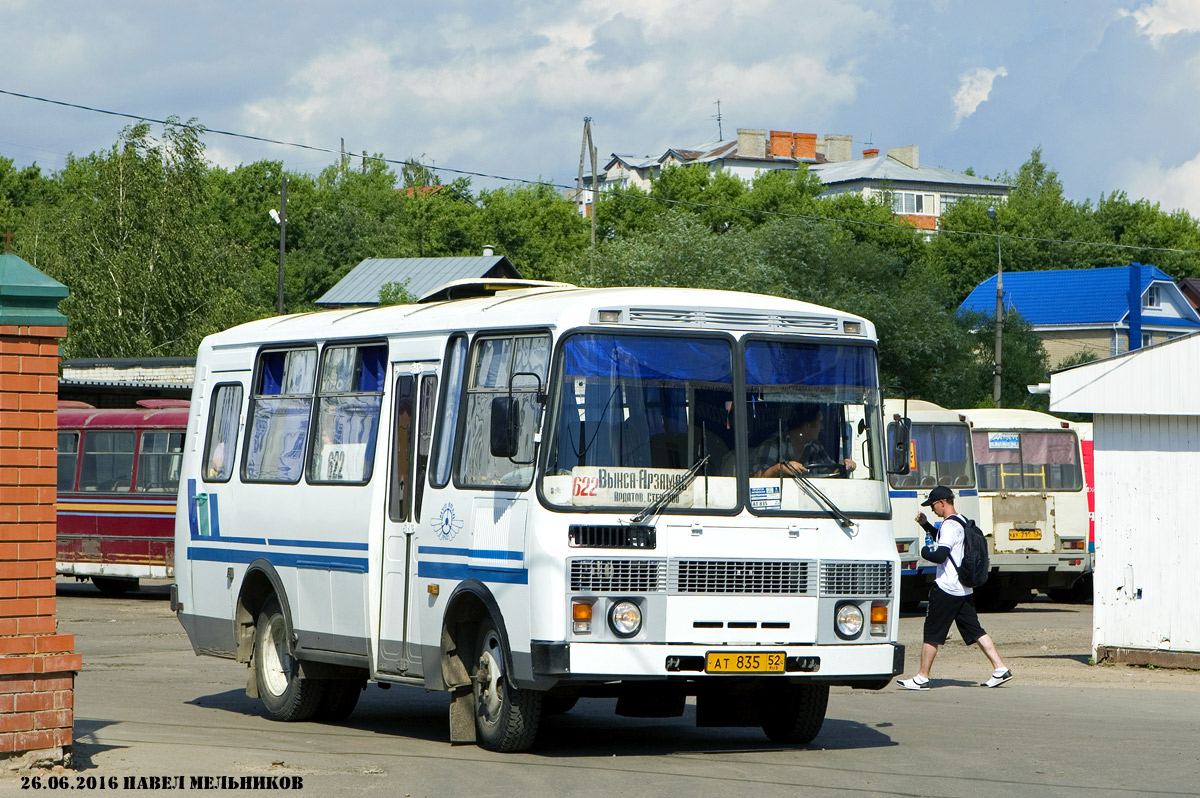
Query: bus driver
{"type": "Point", "coordinates": [806, 454]}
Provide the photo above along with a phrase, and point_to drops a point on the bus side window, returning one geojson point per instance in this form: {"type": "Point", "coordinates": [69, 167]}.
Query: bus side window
{"type": "Point", "coordinates": [401, 488]}
{"type": "Point", "coordinates": [158, 462]}
{"type": "Point", "coordinates": [107, 461]}
{"type": "Point", "coordinates": [279, 419]}
{"type": "Point", "coordinates": [349, 398]}
{"type": "Point", "coordinates": [424, 438]}
{"type": "Point", "coordinates": [225, 411]}
{"type": "Point", "coordinates": [503, 367]}
{"type": "Point", "coordinates": [68, 457]}
{"type": "Point", "coordinates": [456, 357]}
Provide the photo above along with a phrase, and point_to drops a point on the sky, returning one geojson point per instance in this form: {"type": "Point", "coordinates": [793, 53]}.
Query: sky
{"type": "Point", "coordinates": [1108, 89]}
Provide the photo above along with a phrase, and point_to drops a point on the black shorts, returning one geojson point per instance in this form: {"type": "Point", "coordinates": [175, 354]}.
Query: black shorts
{"type": "Point", "coordinates": [945, 609]}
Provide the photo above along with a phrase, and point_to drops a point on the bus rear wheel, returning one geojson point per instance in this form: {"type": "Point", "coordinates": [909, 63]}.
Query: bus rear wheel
{"type": "Point", "coordinates": [506, 719]}
{"type": "Point", "coordinates": [792, 713]}
{"type": "Point", "coordinates": [285, 695]}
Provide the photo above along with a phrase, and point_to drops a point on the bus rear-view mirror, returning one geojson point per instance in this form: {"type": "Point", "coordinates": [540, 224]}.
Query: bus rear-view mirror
{"type": "Point", "coordinates": [505, 426]}
{"type": "Point", "coordinates": [900, 437]}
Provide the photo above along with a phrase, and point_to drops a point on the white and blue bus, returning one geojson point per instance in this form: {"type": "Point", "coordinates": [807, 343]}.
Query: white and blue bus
{"type": "Point", "coordinates": [526, 494]}
{"type": "Point", "coordinates": [939, 453]}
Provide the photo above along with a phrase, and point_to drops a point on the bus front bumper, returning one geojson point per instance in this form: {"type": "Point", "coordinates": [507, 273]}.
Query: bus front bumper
{"type": "Point", "coordinates": [833, 664]}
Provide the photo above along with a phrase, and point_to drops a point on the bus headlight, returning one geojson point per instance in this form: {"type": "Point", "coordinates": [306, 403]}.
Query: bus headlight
{"type": "Point", "coordinates": [625, 619]}
{"type": "Point", "coordinates": [848, 621]}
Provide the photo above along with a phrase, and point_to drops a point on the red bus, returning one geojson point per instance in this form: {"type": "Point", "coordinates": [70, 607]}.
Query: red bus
{"type": "Point", "coordinates": [118, 473]}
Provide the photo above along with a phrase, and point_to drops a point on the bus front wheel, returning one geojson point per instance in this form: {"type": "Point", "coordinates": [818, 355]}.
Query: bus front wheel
{"type": "Point", "coordinates": [284, 693]}
{"type": "Point", "coordinates": [506, 719]}
{"type": "Point", "coordinates": [792, 713]}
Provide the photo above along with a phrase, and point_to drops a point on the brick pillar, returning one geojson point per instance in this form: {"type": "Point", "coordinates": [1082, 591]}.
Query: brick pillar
{"type": "Point", "coordinates": [37, 665]}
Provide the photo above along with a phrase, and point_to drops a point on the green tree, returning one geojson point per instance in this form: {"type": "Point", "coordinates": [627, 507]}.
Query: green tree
{"type": "Point", "coordinates": [149, 268]}
{"type": "Point", "coordinates": [537, 228]}
{"type": "Point", "coordinates": [396, 294]}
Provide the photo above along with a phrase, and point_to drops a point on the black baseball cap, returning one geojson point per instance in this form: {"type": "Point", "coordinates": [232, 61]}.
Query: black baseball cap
{"type": "Point", "coordinates": [939, 494]}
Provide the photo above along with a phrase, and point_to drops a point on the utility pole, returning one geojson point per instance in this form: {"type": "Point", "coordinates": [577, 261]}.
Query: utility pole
{"type": "Point", "coordinates": [282, 236]}
{"type": "Point", "coordinates": [999, 307]}
{"type": "Point", "coordinates": [720, 135]}
{"type": "Point", "coordinates": [588, 149]}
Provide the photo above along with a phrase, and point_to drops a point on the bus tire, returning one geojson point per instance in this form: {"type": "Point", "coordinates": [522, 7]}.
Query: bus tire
{"type": "Point", "coordinates": [114, 585]}
{"type": "Point", "coordinates": [339, 698]}
{"type": "Point", "coordinates": [794, 714]}
{"type": "Point", "coordinates": [506, 719]}
{"type": "Point", "coordinates": [285, 695]}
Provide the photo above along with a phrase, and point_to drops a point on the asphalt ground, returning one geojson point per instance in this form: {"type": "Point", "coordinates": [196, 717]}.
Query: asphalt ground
{"type": "Point", "coordinates": [146, 707]}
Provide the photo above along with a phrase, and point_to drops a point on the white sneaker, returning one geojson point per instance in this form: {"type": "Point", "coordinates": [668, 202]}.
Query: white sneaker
{"type": "Point", "coordinates": [913, 684]}
{"type": "Point", "coordinates": [996, 681]}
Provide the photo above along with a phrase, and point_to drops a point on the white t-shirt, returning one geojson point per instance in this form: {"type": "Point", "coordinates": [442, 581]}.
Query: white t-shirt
{"type": "Point", "coordinates": [950, 534]}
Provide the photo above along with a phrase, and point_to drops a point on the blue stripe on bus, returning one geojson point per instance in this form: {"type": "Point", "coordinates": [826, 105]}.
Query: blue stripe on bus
{"type": "Point", "coordinates": [451, 570]}
{"type": "Point", "coordinates": [912, 494]}
{"type": "Point", "coordinates": [123, 515]}
{"type": "Point", "coordinates": [281, 559]}
{"type": "Point", "coordinates": [192, 522]}
{"type": "Point", "coordinates": [487, 554]}
{"type": "Point", "coordinates": [319, 544]}
{"type": "Point", "coordinates": [214, 518]}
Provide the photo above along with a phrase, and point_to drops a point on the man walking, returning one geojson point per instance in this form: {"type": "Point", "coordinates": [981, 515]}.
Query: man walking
{"type": "Point", "coordinates": [949, 601]}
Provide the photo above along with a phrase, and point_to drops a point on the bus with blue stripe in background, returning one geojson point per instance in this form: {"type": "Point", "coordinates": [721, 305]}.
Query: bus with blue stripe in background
{"type": "Point", "coordinates": [939, 453]}
{"type": "Point", "coordinates": [524, 494]}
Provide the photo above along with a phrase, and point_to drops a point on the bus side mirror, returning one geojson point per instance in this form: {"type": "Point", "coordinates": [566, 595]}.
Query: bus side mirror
{"type": "Point", "coordinates": [505, 426]}
{"type": "Point", "coordinates": [900, 436]}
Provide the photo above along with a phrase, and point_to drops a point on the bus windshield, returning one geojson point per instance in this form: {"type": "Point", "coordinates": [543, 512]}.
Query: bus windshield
{"type": "Point", "coordinates": [939, 454]}
{"type": "Point", "coordinates": [1028, 460]}
{"type": "Point", "coordinates": [813, 409]}
{"type": "Point", "coordinates": [635, 412]}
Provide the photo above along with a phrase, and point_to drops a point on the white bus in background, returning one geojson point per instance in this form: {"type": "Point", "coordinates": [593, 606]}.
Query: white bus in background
{"type": "Point", "coordinates": [524, 495]}
{"type": "Point", "coordinates": [1033, 498]}
{"type": "Point", "coordinates": [939, 454]}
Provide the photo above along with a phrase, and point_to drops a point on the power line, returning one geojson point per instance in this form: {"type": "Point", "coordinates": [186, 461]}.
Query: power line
{"type": "Point", "coordinates": [505, 178]}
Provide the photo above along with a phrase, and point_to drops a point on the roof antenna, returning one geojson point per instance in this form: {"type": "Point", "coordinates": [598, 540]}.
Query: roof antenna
{"type": "Point", "coordinates": [720, 136]}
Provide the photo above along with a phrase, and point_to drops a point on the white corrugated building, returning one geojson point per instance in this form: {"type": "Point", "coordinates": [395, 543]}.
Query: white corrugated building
{"type": "Point", "coordinates": [1146, 416]}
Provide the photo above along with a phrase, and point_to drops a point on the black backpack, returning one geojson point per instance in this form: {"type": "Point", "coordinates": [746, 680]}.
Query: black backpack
{"type": "Point", "coordinates": [974, 568]}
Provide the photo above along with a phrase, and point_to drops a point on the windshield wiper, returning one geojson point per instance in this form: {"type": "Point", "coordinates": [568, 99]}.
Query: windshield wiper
{"type": "Point", "coordinates": [658, 505]}
{"type": "Point", "coordinates": [817, 496]}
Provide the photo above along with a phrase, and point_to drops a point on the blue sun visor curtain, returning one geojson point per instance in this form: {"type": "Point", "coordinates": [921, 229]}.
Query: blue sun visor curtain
{"type": "Point", "coordinates": [658, 358]}
{"type": "Point", "coordinates": [770, 363]}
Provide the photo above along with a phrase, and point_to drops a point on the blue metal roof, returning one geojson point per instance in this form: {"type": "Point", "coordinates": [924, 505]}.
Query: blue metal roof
{"type": "Point", "coordinates": [1073, 296]}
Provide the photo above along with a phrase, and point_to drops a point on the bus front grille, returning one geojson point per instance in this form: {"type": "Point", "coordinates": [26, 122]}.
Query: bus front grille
{"type": "Point", "coordinates": [618, 576]}
{"type": "Point", "coordinates": [856, 579]}
{"type": "Point", "coordinates": [611, 536]}
{"type": "Point", "coordinates": [744, 577]}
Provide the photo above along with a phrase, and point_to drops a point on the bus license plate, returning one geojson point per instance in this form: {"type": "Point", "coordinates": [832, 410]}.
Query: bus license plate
{"type": "Point", "coordinates": [1024, 534]}
{"type": "Point", "coordinates": [744, 662]}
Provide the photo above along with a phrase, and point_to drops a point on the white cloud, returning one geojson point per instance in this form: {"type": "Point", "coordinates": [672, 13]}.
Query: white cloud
{"type": "Point", "coordinates": [1164, 18]}
{"type": "Point", "coordinates": [973, 89]}
{"type": "Point", "coordinates": [1173, 187]}
{"type": "Point", "coordinates": [484, 90]}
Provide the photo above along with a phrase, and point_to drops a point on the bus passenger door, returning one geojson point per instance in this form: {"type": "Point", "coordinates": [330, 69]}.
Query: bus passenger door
{"type": "Point", "coordinates": [412, 425]}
